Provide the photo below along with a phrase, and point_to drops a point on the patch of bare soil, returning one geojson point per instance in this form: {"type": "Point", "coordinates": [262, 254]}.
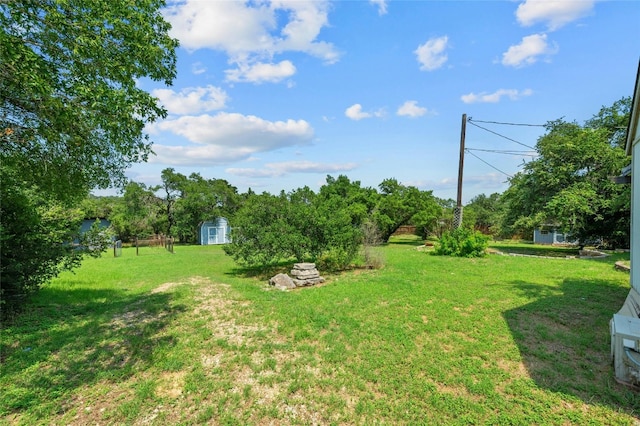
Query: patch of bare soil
{"type": "Point", "coordinates": [170, 384]}
{"type": "Point", "coordinates": [457, 390]}
{"type": "Point", "coordinates": [192, 281]}
{"type": "Point", "coordinates": [263, 384]}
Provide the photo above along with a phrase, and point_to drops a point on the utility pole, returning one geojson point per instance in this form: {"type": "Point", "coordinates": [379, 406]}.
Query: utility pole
{"type": "Point", "coordinates": [457, 214]}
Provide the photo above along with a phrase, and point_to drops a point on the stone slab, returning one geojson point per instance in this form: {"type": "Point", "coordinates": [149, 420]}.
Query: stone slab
{"type": "Point", "coordinates": [304, 266]}
{"type": "Point", "coordinates": [282, 282]}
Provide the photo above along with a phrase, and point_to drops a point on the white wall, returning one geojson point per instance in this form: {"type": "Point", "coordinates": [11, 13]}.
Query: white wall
{"type": "Point", "coordinates": [635, 215]}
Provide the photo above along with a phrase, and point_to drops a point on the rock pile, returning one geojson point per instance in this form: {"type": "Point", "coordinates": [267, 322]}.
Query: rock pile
{"type": "Point", "coordinates": [304, 274]}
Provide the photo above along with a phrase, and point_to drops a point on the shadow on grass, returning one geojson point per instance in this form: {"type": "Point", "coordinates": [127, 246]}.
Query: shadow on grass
{"type": "Point", "coordinates": [262, 272]}
{"type": "Point", "coordinates": [537, 250]}
{"type": "Point", "coordinates": [405, 240]}
{"type": "Point", "coordinates": [70, 338]}
{"type": "Point", "coordinates": [563, 338]}
{"type": "Point", "coordinates": [413, 243]}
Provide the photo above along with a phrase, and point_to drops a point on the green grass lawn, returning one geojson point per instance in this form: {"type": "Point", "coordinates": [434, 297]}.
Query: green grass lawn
{"type": "Point", "coordinates": [190, 338]}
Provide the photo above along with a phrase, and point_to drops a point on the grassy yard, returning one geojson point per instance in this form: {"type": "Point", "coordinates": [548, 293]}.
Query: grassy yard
{"type": "Point", "coordinates": [190, 338]}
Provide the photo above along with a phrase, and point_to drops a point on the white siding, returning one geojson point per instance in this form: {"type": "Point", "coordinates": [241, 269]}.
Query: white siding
{"type": "Point", "coordinates": [635, 215]}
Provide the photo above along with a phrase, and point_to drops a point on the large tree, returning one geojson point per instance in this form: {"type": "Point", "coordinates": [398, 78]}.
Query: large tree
{"type": "Point", "coordinates": [400, 205]}
{"type": "Point", "coordinates": [269, 228]}
{"type": "Point", "coordinates": [570, 183]}
{"type": "Point", "coordinates": [139, 213]}
{"type": "Point", "coordinates": [484, 213]}
{"type": "Point", "coordinates": [71, 113]}
{"type": "Point", "coordinates": [324, 227]}
{"type": "Point", "coordinates": [202, 199]}
{"type": "Point", "coordinates": [72, 116]}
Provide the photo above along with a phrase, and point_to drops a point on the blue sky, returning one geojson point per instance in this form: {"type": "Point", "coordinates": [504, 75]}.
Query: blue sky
{"type": "Point", "coordinates": [275, 95]}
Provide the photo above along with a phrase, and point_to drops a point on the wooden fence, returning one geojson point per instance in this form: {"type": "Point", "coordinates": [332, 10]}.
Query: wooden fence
{"type": "Point", "coordinates": [405, 230]}
{"type": "Point", "coordinates": [158, 241]}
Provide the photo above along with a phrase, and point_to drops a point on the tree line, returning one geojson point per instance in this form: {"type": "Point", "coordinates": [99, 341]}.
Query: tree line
{"type": "Point", "coordinates": [330, 224]}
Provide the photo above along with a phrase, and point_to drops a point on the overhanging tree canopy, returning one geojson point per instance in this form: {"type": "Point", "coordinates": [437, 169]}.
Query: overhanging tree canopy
{"type": "Point", "coordinates": [570, 184]}
{"type": "Point", "coordinates": [72, 118]}
{"type": "Point", "coordinates": [71, 114]}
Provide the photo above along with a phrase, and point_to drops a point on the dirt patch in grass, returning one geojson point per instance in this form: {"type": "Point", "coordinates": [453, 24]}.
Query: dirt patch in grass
{"type": "Point", "coordinates": [89, 409]}
{"type": "Point", "coordinates": [515, 369]}
{"type": "Point", "coordinates": [192, 281]}
{"type": "Point", "coordinates": [457, 390]}
{"type": "Point", "coordinates": [170, 384]}
{"type": "Point", "coordinates": [258, 372]}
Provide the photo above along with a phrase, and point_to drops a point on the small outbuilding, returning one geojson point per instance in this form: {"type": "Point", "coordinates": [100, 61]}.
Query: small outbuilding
{"type": "Point", "coordinates": [550, 235]}
{"type": "Point", "coordinates": [215, 231]}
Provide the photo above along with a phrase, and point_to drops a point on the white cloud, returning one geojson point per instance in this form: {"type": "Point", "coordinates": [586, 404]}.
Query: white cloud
{"type": "Point", "coordinates": [411, 109]}
{"type": "Point", "coordinates": [192, 100]}
{"type": "Point", "coordinates": [355, 112]}
{"type": "Point", "coordinates": [253, 173]}
{"type": "Point", "coordinates": [488, 181]}
{"type": "Point", "coordinates": [307, 18]}
{"type": "Point", "coordinates": [431, 55]}
{"type": "Point", "coordinates": [496, 96]}
{"type": "Point", "coordinates": [251, 33]}
{"type": "Point", "coordinates": [197, 155]}
{"type": "Point", "coordinates": [528, 51]}
{"type": "Point", "coordinates": [555, 13]}
{"type": "Point", "coordinates": [198, 68]}
{"type": "Point", "coordinates": [230, 26]}
{"type": "Point", "coordinates": [382, 6]}
{"type": "Point", "coordinates": [428, 184]}
{"type": "Point", "coordinates": [261, 72]}
{"type": "Point", "coordinates": [283, 168]}
{"type": "Point", "coordinates": [224, 137]}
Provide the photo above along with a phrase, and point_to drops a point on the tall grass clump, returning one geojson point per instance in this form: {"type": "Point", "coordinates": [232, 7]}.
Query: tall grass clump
{"type": "Point", "coordinates": [462, 242]}
{"type": "Point", "coordinates": [371, 242]}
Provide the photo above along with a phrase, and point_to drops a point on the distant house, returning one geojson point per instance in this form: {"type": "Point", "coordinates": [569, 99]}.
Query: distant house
{"type": "Point", "coordinates": [88, 223]}
{"type": "Point", "coordinates": [550, 235]}
{"type": "Point", "coordinates": [625, 324]}
{"type": "Point", "coordinates": [215, 231]}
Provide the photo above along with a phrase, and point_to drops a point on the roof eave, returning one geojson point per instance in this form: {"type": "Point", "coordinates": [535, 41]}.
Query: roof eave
{"type": "Point", "coordinates": [632, 128]}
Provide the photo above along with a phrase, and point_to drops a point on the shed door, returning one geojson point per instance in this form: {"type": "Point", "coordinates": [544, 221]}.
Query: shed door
{"type": "Point", "coordinates": [213, 235]}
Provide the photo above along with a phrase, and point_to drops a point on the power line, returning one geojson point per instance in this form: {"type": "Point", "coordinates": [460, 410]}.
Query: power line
{"type": "Point", "coordinates": [509, 124]}
{"type": "Point", "coordinates": [507, 152]}
{"type": "Point", "coordinates": [502, 136]}
{"type": "Point", "coordinates": [493, 167]}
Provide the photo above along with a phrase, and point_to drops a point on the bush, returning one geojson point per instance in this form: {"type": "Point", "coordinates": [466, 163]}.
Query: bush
{"type": "Point", "coordinates": [462, 242]}
{"type": "Point", "coordinates": [37, 240]}
{"type": "Point", "coordinates": [334, 259]}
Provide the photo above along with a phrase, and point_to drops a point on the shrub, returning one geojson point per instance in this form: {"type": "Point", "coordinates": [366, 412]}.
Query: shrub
{"type": "Point", "coordinates": [334, 259]}
{"type": "Point", "coordinates": [371, 239]}
{"type": "Point", "coordinates": [462, 242]}
{"type": "Point", "coordinates": [37, 240]}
